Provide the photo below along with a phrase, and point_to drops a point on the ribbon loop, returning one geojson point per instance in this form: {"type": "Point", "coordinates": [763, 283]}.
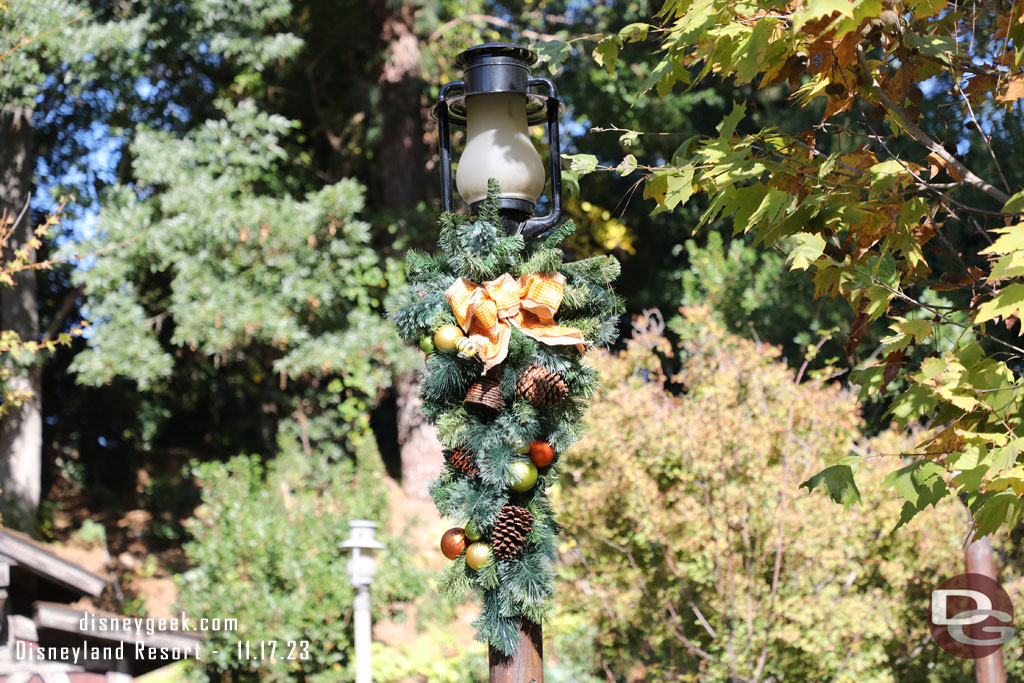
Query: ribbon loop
{"type": "Point", "coordinates": [487, 312]}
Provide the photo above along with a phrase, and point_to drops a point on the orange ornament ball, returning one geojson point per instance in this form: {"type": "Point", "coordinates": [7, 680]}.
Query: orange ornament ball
{"type": "Point", "coordinates": [541, 453]}
{"type": "Point", "coordinates": [453, 542]}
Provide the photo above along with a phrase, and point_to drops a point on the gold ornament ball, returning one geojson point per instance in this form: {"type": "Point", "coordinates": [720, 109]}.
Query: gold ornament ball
{"type": "Point", "coordinates": [477, 555]}
{"type": "Point", "coordinates": [524, 475]}
{"type": "Point", "coordinates": [446, 337]}
{"type": "Point", "coordinates": [452, 543]}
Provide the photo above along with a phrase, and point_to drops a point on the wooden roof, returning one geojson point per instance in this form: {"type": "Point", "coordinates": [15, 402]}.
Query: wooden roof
{"type": "Point", "coordinates": [18, 549]}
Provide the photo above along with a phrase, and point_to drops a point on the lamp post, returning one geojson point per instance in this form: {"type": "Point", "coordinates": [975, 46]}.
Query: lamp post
{"type": "Point", "coordinates": [362, 569]}
{"type": "Point", "coordinates": [497, 101]}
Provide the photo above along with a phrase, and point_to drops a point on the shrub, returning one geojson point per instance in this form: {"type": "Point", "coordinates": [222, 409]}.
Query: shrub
{"type": "Point", "coordinates": [265, 551]}
{"type": "Point", "coordinates": [682, 509]}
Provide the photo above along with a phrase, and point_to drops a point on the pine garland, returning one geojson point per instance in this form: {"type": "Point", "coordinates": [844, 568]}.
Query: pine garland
{"type": "Point", "coordinates": [479, 250]}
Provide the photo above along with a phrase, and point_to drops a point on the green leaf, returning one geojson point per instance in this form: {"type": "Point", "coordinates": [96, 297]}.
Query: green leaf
{"type": "Point", "coordinates": [753, 51]}
{"type": "Point", "coordinates": [920, 329]}
{"type": "Point", "coordinates": [679, 188]}
{"type": "Point", "coordinates": [917, 482]}
{"type": "Point", "coordinates": [994, 510]}
{"type": "Point", "coordinates": [933, 45]}
{"type": "Point", "coordinates": [581, 164]}
{"type": "Point", "coordinates": [633, 33]}
{"type": "Point", "coordinates": [870, 380]}
{"type": "Point", "coordinates": [1005, 303]}
{"type": "Point", "coordinates": [808, 248]}
{"type": "Point", "coordinates": [912, 404]}
{"type": "Point", "coordinates": [1011, 265]}
{"type": "Point", "coordinates": [728, 125]}
{"type": "Point", "coordinates": [838, 479]}
{"type": "Point", "coordinates": [816, 9]}
{"type": "Point", "coordinates": [926, 8]}
{"type": "Point", "coordinates": [626, 166]}
{"type": "Point", "coordinates": [554, 52]}
{"type": "Point", "coordinates": [885, 175]}
{"type": "Point", "coordinates": [1011, 239]}
{"type": "Point", "coordinates": [606, 52]}
{"type": "Point", "coordinates": [1015, 204]}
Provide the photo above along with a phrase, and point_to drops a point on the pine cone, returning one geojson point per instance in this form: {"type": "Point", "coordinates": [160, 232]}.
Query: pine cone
{"type": "Point", "coordinates": [462, 460]}
{"type": "Point", "coordinates": [510, 529]}
{"type": "Point", "coordinates": [541, 387]}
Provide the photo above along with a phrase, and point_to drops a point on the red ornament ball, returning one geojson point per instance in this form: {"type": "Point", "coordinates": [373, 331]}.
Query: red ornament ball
{"type": "Point", "coordinates": [541, 453]}
{"type": "Point", "coordinates": [453, 542]}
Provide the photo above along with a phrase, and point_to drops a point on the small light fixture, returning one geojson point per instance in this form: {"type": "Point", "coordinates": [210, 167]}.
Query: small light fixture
{"type": "Point", "coordinates": [362, 570]}
{"type": "Point", "coordinates": [496, 103]}
{"type": "Point", "coordinates": [362, 541]}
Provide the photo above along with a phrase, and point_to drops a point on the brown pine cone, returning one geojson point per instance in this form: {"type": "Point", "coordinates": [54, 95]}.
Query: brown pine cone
{"type": "Point", "coordinates": [462, 460]}
{"type": "Point", "coordinates": [510, 528]}
{"type": "Point", "coordinates": [541, 387]}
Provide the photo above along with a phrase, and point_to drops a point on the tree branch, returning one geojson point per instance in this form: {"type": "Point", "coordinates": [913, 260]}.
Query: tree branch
{"type": "Point", "coordinates": [66, 306]}
{"type": "Point", "coordinates": [922, 138]}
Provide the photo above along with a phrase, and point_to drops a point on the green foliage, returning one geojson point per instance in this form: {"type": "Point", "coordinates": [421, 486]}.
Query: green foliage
{"type": "Point", "coordinates": [521, 587]}
{"type": "Point", "coordinates": [91, 533]}
{"type": "Point", "coordinates": [265, 552]}
{"type": "Point", "coordinates": [678, 522]}
{"type": "Point", "coordinates": [753, 294]}
{"type": "Point", "coordinates": [208, 259]}
{"type": "Point", "coordinates": [874, 198]}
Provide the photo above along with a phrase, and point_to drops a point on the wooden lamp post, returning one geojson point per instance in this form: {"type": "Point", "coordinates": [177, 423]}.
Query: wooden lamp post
{"type": "Point", "coordinates": [496, 102]}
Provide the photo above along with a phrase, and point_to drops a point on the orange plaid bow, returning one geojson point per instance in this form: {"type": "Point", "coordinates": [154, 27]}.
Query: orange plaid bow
{"type": "Point", "coordinates": [487, 312]}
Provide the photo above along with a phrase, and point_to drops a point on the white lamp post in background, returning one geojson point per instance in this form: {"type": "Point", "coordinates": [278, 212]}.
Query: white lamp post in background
{"type": "Point", "coordinates": [362, 569]}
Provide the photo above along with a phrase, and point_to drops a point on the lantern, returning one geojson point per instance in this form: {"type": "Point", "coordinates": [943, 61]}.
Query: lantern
{"type": "Point", "coordinates": [497, 102]}
{"type": "Point", "coordinates": [362, 569]}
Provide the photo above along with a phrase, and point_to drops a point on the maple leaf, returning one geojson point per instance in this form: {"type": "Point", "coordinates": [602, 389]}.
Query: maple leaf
{"type": "Point", "coordinates": [1014, 90]}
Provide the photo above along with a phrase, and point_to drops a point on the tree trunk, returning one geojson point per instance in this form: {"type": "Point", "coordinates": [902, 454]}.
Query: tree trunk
{"type": "Point", "coordinates": [21, 432]}
{"type": "Point", "coordinates": [402, 184]}
{"type": "Point", "coordinates": [420, 449]}
{"type": "Point", "coordinates": [403, 153]}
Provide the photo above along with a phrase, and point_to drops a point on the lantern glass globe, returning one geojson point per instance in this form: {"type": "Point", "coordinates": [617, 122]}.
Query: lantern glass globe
{"type": "Point", "coordinates": [498, 146]}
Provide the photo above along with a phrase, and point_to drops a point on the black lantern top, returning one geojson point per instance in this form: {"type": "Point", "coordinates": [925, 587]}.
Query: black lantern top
{"type": "Point", "coordinates": [494, 68]}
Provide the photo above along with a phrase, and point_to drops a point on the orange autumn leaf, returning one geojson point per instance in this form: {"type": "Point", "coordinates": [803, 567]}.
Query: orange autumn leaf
{"type": "Point", "coordinates": [937, 164]}
{"type": "Point", "coordinates": [1014, 90]}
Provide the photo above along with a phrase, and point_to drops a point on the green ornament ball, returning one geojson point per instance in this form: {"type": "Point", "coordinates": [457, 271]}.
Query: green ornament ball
{"type": "Point", "coordinates": [427, 343]}
{"type": "Point", "coordinates": [524, 475]}
{"type": "Point", "coordinates": [472, 533]}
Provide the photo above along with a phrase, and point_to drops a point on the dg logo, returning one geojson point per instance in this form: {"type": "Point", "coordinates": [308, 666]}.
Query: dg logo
{"type": "Point", "coordinates": [971, 616]}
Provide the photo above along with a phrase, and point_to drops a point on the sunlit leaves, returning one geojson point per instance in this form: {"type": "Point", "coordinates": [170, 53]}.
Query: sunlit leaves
{"type": "Point", "coordinates": [1008, 302]}
{"type": "Point", "coordinates": [866, 206]}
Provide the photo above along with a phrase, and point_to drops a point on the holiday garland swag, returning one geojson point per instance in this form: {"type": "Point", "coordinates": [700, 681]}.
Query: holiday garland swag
{"type": "Point", "coordinates": [504, 325]}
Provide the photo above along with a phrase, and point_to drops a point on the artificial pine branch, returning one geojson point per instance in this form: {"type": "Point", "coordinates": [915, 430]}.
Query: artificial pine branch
{"type": "Point", "coordinates": [559, 235]}
{"type": "Point", "coordinates": [490, 212]}
{"type": "Point", "coordinates": [479, 250]}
